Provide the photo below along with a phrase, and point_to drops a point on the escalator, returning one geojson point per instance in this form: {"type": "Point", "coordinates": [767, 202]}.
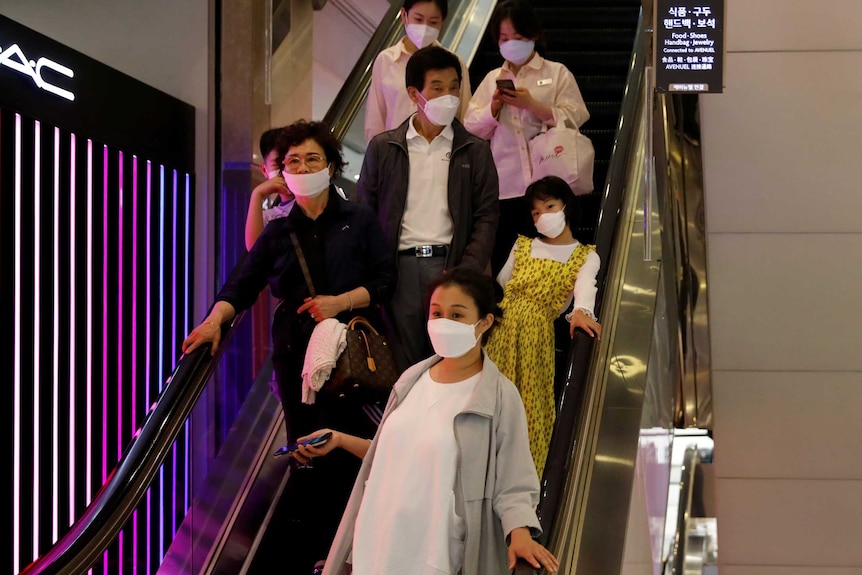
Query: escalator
{"type": "Point", "coordinates": [588, 479]}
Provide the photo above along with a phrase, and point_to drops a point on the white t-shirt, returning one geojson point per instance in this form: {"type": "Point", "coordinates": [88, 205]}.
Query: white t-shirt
{"type": "Point", "coordinates": [549, 82]}
{"type": "Point", "coordinates": [407, 523]}
{"type": "Point", "coordinates": [584, 292]}
{"type": "Point", "coordinates": [388, 104]}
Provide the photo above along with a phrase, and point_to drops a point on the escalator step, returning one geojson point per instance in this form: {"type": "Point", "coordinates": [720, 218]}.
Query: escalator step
{"type": "Point", "coordinates": [573, 39]}
{"type": "Point", "coordinates": [583, 63]}
{"type": "Point", "coordinates": [572, 14]}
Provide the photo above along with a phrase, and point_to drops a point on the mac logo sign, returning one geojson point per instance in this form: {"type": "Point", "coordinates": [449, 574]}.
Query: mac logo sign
{"type": "Point", "coordinates": [12, 57]}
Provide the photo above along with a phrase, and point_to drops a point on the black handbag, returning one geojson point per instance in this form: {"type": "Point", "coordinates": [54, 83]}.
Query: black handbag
{"type": "Point", "coordinates": [365, 370]}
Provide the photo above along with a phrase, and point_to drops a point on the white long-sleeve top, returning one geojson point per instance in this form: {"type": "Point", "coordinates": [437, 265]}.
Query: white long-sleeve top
{"type": "Point", "coordinates": [388, 104]}
{"type": "Point", "coordinates": [509, 133]}
{"type": "Point", "coordinates": [585, 289]}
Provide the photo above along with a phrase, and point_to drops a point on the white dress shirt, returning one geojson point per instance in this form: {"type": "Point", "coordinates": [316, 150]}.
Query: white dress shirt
{"type": "Point", "coordinates": [388, 104]}
{"type": "Point", "coordinates": [426, 219]}
{"type": "Point", "coordinates": [548, 82]}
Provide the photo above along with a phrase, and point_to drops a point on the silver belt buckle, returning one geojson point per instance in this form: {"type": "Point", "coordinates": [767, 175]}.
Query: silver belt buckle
{"type": "Point", "coordinates": [424, 251]}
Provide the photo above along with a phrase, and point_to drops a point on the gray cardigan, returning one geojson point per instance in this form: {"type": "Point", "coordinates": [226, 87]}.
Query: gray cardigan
{"type": "Point", "coordinates": [496, 485]}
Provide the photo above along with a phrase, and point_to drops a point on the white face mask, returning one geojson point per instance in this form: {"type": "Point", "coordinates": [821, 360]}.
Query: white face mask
{"type": "Point", "coordinates": [273, 173]}
{"type": "Point", "coordinates": [421, 34]}
{"type": "Point", "coordinates": [451, 338]}
{"type": "Point", "coordinates": [307, 185]}
{"type": "Point", "coordinates": [441, 110]}
{"type": "Point", "coordinates": [551, 224]}
{"type": "Point", "coordinates": [517, 51]}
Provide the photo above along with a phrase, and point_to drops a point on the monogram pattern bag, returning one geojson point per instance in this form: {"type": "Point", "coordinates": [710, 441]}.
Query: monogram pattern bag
{"type": "Point", "coordinates": [365, 370]}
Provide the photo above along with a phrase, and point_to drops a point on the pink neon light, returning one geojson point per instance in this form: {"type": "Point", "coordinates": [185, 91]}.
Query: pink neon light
{"type": "Point", "coordinates": [37, 321]}
{"type": "Point", "coordinates": [174, 345]}
{"type": "Point", "coordinates": [120, 293]}
{"type": "Point", "coordinates": [187, 244]}
{"type": "Point", "coordinates": [134, 378]}
{"type": "Point", "coordinates": [89, 373]}
{"type": "Point", "coordinates": [161, 349]}
{"type": "Point", "coordinates": [149, 357]}
{"type": "Point", "coordinates": [135, 520]}
{"type": "Point", "coordinates": [16, 356]}
{"type": "Point", "coordinates": [55, 423]}
{"type": "Point", "coordinates": [73, 420]}
{"type": "Point", "coordinates": [104, 212]}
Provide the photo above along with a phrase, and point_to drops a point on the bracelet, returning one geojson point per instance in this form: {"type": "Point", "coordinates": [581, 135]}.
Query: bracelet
{"type": "Point", "coordinates": [351, 300]}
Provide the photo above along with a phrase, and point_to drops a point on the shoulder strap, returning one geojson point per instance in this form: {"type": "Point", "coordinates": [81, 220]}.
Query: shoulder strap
{"type": "Point", "coordinates": [302, 263]}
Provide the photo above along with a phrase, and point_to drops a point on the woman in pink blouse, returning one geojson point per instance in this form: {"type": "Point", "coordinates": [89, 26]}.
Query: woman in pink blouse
{"type": "Point", "coordinates": [545, 94]}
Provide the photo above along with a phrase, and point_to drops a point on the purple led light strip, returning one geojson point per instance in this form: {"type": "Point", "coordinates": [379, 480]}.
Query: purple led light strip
{"type": "Point", "coordinates": [134, 378]}
{"type": "Point", "coordinates": [173, 507]}
{"type": "Point", "coordinates": [55, 396]}
{"type": "Point", "coordinates": [104, 212]}
{"type": "Point", "coordinates": [161, 350]}
{"type": "Point", "coordinates": [37, 320]}
{"type": "Point", "coordinates": [16, 356]}
{"type": "Point", "coordinates": [186, 291]}
{"type": "Point", "coordinates": [120, 314]}
{"type": "Point", "coordinates": [89, 375]}
{"type": "Point", "coordinates": [149, 357]}
{"type": "Point", "coordinates": [73, 422]}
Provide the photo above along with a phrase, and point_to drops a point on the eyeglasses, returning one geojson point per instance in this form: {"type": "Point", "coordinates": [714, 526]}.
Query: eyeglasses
{"type": "Point", "coordinates": [314, 163]}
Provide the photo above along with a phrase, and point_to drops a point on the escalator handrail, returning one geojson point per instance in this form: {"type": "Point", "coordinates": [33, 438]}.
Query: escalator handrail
{"type": "Point", "coordinates": [346, 105]}
{"type": "Point", "coordinates": [691, 460]}
{"type": "Point", "coordinates": [572, 404]}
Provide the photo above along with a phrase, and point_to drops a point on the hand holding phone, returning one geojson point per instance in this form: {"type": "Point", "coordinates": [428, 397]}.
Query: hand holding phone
{"type": "Point", "coordinates": [506, 85]}
{"type": "Point", "coordinates": [316, 441]}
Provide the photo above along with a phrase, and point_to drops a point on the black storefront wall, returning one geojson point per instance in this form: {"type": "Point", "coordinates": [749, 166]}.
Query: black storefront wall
{"type": "Point", "coordinates": [96, 244]}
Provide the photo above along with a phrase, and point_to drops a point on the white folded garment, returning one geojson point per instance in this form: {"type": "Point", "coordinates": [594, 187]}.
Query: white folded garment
{"type": "Point", "coordinates": [328, 340]}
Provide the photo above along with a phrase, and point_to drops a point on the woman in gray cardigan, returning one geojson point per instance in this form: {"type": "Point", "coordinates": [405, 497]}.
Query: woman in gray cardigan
{"type": "Point", "coordinates": [447, 485]}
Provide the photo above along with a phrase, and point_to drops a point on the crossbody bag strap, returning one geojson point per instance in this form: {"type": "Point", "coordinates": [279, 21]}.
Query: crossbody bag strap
{"type": "Point", "coordinates": [302, 263]}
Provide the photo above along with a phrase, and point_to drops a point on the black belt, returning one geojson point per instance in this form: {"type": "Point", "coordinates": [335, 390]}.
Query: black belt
{"type": "Point", "coordinates": [425, 252]}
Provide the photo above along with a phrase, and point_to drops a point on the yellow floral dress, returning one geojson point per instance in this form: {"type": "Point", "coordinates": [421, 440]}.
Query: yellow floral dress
{"type": "Point", "coordinates": [522, 345]}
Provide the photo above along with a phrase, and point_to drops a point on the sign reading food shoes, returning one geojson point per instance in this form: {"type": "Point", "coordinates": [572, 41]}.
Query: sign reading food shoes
{"type": "Point", "coordinates": [689, 45]}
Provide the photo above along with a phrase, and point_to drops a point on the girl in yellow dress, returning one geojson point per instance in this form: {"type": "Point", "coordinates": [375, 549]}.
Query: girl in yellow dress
{"type": "Point", "coordinates": [540, 279]}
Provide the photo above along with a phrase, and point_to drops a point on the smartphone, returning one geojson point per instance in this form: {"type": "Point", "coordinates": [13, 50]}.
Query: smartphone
{"type": "Point", "coordinates": [506, 85]}
{"type": "Point", "coordinates": [316, 441]}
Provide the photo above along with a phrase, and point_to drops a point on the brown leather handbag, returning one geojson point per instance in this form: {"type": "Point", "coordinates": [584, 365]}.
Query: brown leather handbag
{"type": "Point", "coordinates": [365, 370]}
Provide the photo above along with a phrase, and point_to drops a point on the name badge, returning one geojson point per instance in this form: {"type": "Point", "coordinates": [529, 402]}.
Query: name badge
{"type": "Point", "coordinates": [545, 82]}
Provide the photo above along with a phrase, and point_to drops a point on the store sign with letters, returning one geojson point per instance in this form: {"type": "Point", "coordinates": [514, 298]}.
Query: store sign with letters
{"type": "Point", "coordinates": [689, 45]}
{"type": "Point", "coordinates": [44, 73]}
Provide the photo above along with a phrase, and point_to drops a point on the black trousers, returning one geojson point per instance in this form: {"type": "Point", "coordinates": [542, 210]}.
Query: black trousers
{"type": "Point", "coordinates": [314, 499]}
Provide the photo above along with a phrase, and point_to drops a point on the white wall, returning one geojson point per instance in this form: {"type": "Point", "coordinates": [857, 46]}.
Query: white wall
{"type": "Point", "coordinates": [784, 238]}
